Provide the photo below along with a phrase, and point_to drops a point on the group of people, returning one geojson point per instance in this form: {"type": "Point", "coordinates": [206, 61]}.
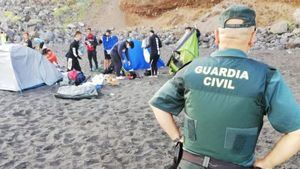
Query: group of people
{"type": "Point", "coordinates": [40, 47]}
{"type": "Point", "coordinates": [114, 52]}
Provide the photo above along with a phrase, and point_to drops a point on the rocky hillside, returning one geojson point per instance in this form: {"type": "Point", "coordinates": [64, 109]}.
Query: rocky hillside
{"type": "Point", "coordinates": [56, 20]}
{"type": "Point", "coordinates": [52, 20]}
{"type": "Point", "coordinates": [153, 8]}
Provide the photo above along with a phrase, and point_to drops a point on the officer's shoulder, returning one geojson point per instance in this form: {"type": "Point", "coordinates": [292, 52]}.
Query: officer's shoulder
{"type": "Point", "coordinates": [261, 63]}
{"type": "Point", "coordinates": [270, 69]}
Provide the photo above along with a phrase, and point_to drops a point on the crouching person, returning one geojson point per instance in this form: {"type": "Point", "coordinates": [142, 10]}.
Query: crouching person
{"type": "Point", "coordinates": [116, 55]}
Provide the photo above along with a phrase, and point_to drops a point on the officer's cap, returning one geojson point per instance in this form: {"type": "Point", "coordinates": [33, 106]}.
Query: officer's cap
{"type": "Point", "coordinates": [241, 12]}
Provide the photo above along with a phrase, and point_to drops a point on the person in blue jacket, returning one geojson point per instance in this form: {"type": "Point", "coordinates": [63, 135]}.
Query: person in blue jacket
{"type": "Point", "coordinates": [108, 42]}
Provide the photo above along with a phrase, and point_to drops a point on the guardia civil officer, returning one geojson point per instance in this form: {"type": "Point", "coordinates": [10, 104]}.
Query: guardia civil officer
{"type": "Point", "coordinates": [225, 97]}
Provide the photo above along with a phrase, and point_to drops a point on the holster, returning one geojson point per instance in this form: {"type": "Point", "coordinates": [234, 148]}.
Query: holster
{"type": "Point", "coordinates": [178, 151]}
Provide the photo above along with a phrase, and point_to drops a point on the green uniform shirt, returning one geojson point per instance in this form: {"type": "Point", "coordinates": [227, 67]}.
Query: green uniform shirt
{"type": "Point", "coordinates": [225, 98]}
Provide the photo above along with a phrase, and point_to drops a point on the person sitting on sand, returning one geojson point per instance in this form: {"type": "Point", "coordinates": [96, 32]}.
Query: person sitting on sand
{"type": "Point", "coordinates": [225, 98]}
{"type": "Point", "coordinates": [91, 45]}
{"type": "Point", "coordinates": [116, 55]}
{"type": "Point", "coordinates": [73, 54]}
{"type": "Point", "coordinates": [50, 55]}
{"type": "Point", "coordinates": [26, 40]}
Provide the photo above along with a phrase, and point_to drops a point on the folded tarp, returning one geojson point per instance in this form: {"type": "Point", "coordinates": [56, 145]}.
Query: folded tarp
{"type": "Point", "coordinates": [87, 90]}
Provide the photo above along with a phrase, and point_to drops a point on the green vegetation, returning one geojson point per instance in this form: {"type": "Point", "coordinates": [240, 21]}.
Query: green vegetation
{"type": "Point", "coordinates": [12, 16]}
{"type": "Point", "coordinates": [70, 11]}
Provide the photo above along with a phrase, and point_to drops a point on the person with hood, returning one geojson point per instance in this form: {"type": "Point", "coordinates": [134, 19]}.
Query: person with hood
{"type": "Point", "coordinates": [116, 55]}
{"type": "Point", "coordinates": [73, 54]}
{"type": "Point", "coordinates": [26, 40]}
{"type": "Point", "coordinates": [155, 45]}
{"type": "Point", "coordinates": [108, 42]}
{"type": "Point", "coordinates": [91, 45]}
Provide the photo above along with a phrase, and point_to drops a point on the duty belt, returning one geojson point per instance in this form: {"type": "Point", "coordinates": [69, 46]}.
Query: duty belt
{"type": "Point", "coordinates": [210, 163]}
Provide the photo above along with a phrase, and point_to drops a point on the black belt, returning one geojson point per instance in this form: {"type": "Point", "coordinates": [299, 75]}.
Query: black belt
{"type": "Point", "coordinates": [211, 163]}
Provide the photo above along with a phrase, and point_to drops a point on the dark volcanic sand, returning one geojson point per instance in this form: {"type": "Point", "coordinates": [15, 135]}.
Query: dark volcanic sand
{"type": "Point", "coordinates": [116, 131]}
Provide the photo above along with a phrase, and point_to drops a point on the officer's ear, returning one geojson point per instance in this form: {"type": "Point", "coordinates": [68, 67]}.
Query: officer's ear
{"type": "Point", "coordinates": [253, 38]}
{"type": "Point", "coordinates": [217, 38]}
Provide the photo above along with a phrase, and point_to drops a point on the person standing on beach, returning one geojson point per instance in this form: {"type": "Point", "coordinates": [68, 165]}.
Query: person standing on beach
{"type": "Point", "coordinates": [26, 40]}
{"type": "Point", "coordinates": [225, 98]}
{"type": "Point", "coordinates": [3, 38]}
{"type": "Point", "coordinates": [155, 45]}
{"type": "Point", "coordinates": [116, 55]}
{"type": "Point", "coordinates": [91, 45]}
{"type": "Point", "coordinates": [108, 43]}
{"type": "Point", "coordinates": [73, 53]}
{"type": "Point", "coordinates": [189, 30]}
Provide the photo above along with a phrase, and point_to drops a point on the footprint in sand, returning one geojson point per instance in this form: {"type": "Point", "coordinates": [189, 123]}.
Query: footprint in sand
{"type": "Point", "coordinates": [49, 148]}
{"type": "Point", "coordinates": [22, 165]}
{"type": "Point", "coordinates": [91, 162]}
{"type": "Point", "coordinates": [19, 113]}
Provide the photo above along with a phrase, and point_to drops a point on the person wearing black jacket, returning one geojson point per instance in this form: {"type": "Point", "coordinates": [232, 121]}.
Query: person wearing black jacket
{"type": "Point", "coordinates": [26, 40]}
{"type": "Point", "coordinates": [155, 45]}
{"type": "Point", "coordinates": [198, 33]}
{"type": "Point", "coordinates": [116, 55]}
{"type": "Point", "coordinates": [91, 45]}
{"type": "Point", "coordinates": [73, 53]}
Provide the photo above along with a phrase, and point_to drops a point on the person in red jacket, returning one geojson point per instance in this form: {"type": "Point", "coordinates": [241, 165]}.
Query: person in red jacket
{"type": "Point", "coordinates": [50, 56]}
{"type": "Point", "coordinates": [91, 45]}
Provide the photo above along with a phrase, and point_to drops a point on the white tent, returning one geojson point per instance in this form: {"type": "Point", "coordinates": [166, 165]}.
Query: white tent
{"type": "Point", "coordinates": [24, 68]}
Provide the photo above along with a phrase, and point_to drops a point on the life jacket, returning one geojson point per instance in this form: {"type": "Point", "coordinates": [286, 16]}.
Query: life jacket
{"type": "Point", "coordinates": [225, 106]}
{"type": "Point", "coordinates": [52, 57]}
{"type": "Point", "coordinates": [90, 46]}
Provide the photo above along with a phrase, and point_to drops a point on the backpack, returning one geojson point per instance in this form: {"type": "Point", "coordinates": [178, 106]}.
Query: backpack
{"type": "Point", "coordinates": [80, 79]}
{"type": "Point", "coordinates": [72, 75]}
{"type": "Point", "coordinates": [132, 75]}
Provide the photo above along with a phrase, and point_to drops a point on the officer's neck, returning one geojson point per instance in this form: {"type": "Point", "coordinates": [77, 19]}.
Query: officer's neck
{"type": "Point", "coordinates": [239, 47]}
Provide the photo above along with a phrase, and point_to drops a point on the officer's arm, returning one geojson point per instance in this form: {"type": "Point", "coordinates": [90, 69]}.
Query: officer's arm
{"type": "Point", "coordinates": [169, 101]}
{"type": "Point", "coordinates": [167, 123]}
{"type": "Point", "coordinates": [286, 147]}
{"type": "Point", "coordinates": [284, 115]}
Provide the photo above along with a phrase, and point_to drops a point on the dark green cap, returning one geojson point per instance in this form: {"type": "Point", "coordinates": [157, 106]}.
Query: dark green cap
{"type": "Point", "coordinates": [238, 12]}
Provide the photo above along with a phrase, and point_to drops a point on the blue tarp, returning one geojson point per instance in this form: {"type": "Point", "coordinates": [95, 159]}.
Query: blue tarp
{"type": "Point", "coordinates": [137, 58]}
